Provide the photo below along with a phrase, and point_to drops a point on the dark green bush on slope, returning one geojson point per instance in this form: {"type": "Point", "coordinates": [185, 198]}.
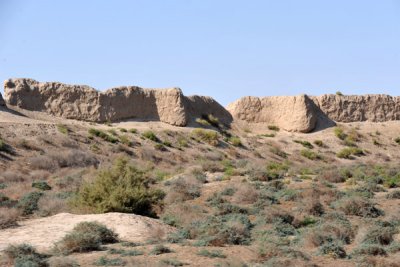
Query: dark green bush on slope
{"type": "Point", "coordinates": [123, 188]}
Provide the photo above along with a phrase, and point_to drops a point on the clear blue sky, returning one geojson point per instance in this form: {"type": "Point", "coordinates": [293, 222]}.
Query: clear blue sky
{"type": "Point", "coordinates": [225, 49]}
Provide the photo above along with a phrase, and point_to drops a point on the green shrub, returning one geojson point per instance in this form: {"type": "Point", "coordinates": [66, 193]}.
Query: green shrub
{"type": "Point", "coordinates": [160, 249]}
{"type": "Point", "coordinates": [62, 128]}
{"type": "Point", "coordinates": [277, 151]}
{"type": "Point", "coordinates": [123, 130]}
{"type": "Point", "coordinates": [29, 202]}
{"type": "Point", "coordinates": [86, 236]}
{"type": "Point", "coordinates": [42, 185]}
{"type": "Point", "coordinates": [349, 152]}
{"type": "Point", "coordinates": [208, 136]}
{"type": "Point", "coordinates": [123, 188]}
{"type": "Point", "coordinates": [160, 147]}
{"type": "Point", "coordinates": [25, 255]}
{"type": "Point", "coordinates": [133, 130]}
{"type": "Point", "coordinates": [208, 120]}
{"type": "Point", "coordinates": [269, 135]}
{"type": "Point", "coordinates": [103, 135]}
{"type": "Point", "coordinates": [311, 155]}
{"type": "Point", "coordinates": [151, 136]}
{"type": "Point", "coordinates": [306, 144]}
{"type": "Point", "coordinates": [319, 143]}
{"type": "Point", "coordinates": [339, 93]}
{"type": "Point", "coordinates": [203, 122]}
{"type": "Point", "coordinates": [125, 140]}
{"type": "Point", "coordinates": [211, 253]}
{"type": "Point", "coordinates": [339, 132]}
{"type": "Point", "coordinates": [235, 141]}
{"type": "Point", "coordinates": [397, 140]}
{"type": "Point", "coordinates": [273, 128]}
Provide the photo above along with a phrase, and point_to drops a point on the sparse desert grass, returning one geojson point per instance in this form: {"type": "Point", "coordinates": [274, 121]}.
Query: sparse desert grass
{"type": "Point", "coordinates": [104, 261]}
{"type": "Point", "coordinates": [151, 136]}
{"type": "Point", "coordinates": [305, 144]}
{"type": "Point", "coordinates": [208, 136]}
{"type": "Point", "coordinates": [160, 249]}
{"type": "Point", "coordinates": [103, 135]}
{"type": "Point", "coordinates": [62, 261]}
{"type": "Point", "coordinates": [277, 151]}
{"type": "Point", "coordinates": [273, 128]}
{"type": "Point", "coordinates": [182, 189]}
{"type": "Point", "coordinates": [235, 141]}
{"type": "Point", "coordinates": [8, 217]}
{"type": "Point", "coordinates": [349, 152]}
{"type": "Point", "coordinates": [211, 253]}
{"type": "Point", "coordinates": [319, 143]}
{"type": "Point", "coordinates": [62, 128]}
{"type": "Point", "coordinates": [311, 155]}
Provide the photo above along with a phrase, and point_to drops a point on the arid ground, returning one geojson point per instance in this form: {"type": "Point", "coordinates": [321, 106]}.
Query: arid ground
{"type": "Point", "coordinates": [206, 195]}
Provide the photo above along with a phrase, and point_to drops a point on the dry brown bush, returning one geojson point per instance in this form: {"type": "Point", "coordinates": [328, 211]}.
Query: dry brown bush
{"type": "Point", "coordinates": [8, 217]}
{"type": "Point", "coordinates": [43, 162]}
{"type": "Point", "coordinates": [51, 205]}
{"type": "Point", "coordinates": [61, 159]}
{"type": "Point", "coordinates": [13, 176]}
{"type": "Point", "coordinates": [182, 189]}
{"type": "Point", "coordinates": [245, 194]}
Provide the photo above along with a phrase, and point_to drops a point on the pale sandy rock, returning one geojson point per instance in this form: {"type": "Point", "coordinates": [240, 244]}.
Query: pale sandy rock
{"type": "Point", "coordinates": [127, 102]}
{"type": "Point", "coordinates": [85, 103]}
{"type": "Point", "coordinates": [44, 232]}
{"type": "Point", "coordinates": [352, 108]}
{"type": "Point", "coordinates": [291, 113]}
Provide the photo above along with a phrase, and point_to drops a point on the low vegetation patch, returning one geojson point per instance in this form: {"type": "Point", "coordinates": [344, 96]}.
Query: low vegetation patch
{"type": "Point", "coordinates": [25, 255]}
{"type": "Point", "coordinates": [349, 152]}
{"type": "Point", "coordinates": [306, 144]}
{"type": "Point", "coordinates": [208, 136]}
{"type": "Point", "coordinates": [211, 253]}
{"type": "Point", "coordinates": [103, 135]}
{"type": "Point", "coordinates": [311, 155]}
{"type": "Point", "coordinates": [273, 128]}
{"type": "Point", "coordinates": [151, 136]}
{"type": "Point", "coordinates": [86, 236]}
{"type": "Point", "coordinates": [62, 128]}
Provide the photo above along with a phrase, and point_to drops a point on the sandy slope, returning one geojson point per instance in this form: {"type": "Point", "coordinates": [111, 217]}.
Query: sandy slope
{"type": "Point", "coordinates": [44, 232]}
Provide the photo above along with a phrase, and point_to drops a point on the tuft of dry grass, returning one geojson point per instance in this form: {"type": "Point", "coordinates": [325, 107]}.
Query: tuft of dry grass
{"type": "Point", "coordinates": [8, 217]}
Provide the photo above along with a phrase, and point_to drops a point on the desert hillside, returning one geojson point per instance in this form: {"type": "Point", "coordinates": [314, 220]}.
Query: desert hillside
{"type": "Point", "coordinates": [273, 181]}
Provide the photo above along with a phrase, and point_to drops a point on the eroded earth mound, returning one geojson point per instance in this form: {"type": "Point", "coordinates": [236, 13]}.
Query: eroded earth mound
{"type": "Point", "coordinates": [126, 102]}
{"type": "Point", "coordinates": [292, 113]}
